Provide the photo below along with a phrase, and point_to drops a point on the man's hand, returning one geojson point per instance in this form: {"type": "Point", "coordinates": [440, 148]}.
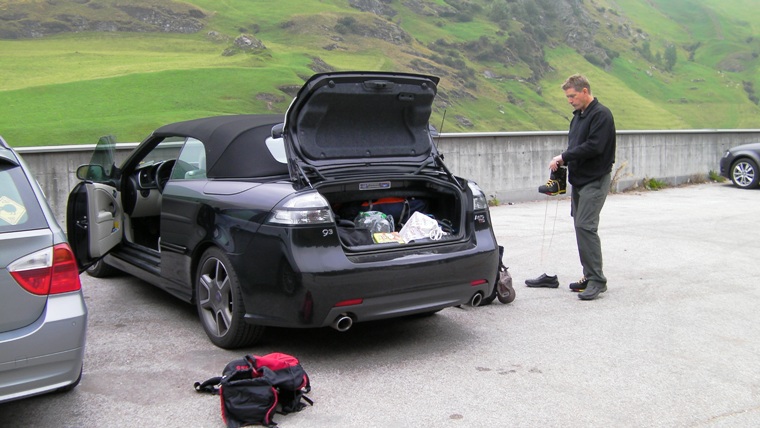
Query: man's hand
{"type": "Point", "coordinates": [556, 162]}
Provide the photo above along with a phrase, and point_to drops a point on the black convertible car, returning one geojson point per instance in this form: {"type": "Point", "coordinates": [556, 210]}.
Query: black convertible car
{"type": "Point", "coordinates": [260, 220]}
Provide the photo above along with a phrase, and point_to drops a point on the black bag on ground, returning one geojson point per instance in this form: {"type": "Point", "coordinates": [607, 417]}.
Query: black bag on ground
{"type": "Point", "coordinates": [248, 401]}
{"type": "Point", "coordinates": [253, 388]}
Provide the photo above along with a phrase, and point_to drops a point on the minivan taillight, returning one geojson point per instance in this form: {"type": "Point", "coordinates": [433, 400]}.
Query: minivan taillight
{"type": "Point", "coordinates": [49, 271]}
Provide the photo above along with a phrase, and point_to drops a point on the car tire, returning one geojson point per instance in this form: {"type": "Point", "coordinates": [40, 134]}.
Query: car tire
{"type": "Point", "coordinates": [101, 270]}
{"type": "Point", "coordinates": [219, 301]}
{"type": "Point", "coordinates": [744, 173]}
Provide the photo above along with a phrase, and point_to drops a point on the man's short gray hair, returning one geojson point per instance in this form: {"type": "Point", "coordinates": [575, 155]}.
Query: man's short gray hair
{"type": "Point", "coordinates": [577, 82]}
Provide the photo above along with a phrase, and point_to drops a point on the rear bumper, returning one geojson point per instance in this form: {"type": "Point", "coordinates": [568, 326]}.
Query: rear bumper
{"type": "Point", "coordinates": [311, 286]}
{"type": "Point", "coordinates": [46, 355]}
{"type": "Point", "coordinates": [398, 305]}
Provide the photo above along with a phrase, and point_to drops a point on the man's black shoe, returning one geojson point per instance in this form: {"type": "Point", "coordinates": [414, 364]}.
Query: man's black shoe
{"type": "Point", "coordinates": [592, 292]}
{"type": "Point", "coordinates": [548, 281]}
{"type": "Point", "coordinates": [579, 285]}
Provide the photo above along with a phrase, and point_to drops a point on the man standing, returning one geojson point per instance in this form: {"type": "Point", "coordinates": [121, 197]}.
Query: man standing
{"type": "Point", "coordinates": [589, 157]}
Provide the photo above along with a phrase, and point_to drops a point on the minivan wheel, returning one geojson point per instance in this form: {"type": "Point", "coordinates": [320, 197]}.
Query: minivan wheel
{"type": "Point", "coordinates": [744, 173]}
{"type": "Point", "coordinates": [220, 303]}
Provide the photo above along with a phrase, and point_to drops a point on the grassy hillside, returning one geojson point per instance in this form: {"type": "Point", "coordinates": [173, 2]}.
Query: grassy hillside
{"type": "Point", "coordinates": [75, 70]}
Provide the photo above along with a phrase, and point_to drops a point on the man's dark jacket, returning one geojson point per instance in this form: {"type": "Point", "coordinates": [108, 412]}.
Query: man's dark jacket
{"type": "Point", "coordinates": [591, 144]}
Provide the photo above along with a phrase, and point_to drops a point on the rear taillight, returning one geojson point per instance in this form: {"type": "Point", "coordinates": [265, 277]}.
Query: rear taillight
{"type": "Point", "coordinates": [304, 209]}
{"type": "Point", "coordinates": [49, 271]}
{"type": "Point", "coordinates": [479, 201]}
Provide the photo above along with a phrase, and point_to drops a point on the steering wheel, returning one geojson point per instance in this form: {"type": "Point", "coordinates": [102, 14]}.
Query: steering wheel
{"type": "Point", "coordinates": [163, 172]}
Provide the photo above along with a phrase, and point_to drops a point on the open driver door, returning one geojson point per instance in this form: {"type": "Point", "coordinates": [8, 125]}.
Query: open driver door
{"type": "Point", "coordinates": [94, 219]}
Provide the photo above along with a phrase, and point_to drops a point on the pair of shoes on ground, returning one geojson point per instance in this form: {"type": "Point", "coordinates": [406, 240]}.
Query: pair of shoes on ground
{"type": "Point", "coordinates": [551, 281]}
{"type": "Point", "coordinates": [585, 292]}
{"type": "Point", "coordinates": [557, 184]}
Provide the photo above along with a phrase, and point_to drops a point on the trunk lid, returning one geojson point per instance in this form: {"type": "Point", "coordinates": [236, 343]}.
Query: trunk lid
{"type": "Point", "coordinates": [339, 121]}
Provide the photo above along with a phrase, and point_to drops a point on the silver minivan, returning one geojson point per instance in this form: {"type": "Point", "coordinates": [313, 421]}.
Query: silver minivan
{"type": "Point", "coordinates": [43, 316]}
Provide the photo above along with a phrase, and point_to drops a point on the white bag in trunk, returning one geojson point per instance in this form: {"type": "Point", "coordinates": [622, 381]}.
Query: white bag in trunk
{"type": "Point", "coordinates": [421, 226]}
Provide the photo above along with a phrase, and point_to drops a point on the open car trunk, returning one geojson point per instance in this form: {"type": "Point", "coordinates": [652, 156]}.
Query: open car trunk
{"type": "Point", "coordinates": [356, 206]}
{"type": "Point", "coordinates": [363, 140]}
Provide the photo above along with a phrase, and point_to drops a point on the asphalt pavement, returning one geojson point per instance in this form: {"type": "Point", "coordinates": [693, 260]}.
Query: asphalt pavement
{"type": "Point", "coordinates": [674, 342]}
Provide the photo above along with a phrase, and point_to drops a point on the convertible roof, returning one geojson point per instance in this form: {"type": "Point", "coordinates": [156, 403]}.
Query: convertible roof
{"type": "Point", "coordinates": [235, 144]}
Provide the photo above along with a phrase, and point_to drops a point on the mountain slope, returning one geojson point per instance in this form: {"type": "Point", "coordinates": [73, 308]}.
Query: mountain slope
{"type": "Point", "coordinates": [74, 70]}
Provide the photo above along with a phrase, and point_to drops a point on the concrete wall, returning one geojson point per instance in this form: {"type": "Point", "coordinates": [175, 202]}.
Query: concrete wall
{"type": "Point", "coordinates": [508, 166]}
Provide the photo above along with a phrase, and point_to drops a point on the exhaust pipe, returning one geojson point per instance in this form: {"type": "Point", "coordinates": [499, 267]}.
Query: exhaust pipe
{"type": "Point", "coordinates": [476, 299]}
{"type": "Point", "coordinates": [342, 323]}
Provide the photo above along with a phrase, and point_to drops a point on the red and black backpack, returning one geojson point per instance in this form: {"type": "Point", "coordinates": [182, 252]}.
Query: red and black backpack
{"type": "Point", "coordinates": [253, 388]}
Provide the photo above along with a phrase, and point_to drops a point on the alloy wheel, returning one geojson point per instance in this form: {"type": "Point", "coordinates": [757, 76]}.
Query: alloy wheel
{"type": "Point", "coordinates": [744, 174]}
{"type": "Point", "coordinates": [215, 296]}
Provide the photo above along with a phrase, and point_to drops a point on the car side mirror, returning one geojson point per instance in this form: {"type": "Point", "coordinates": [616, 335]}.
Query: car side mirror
{"type": "Point", "coordinates": [277, 130]}
{"type": "Point", "coordinates": [91, 173]}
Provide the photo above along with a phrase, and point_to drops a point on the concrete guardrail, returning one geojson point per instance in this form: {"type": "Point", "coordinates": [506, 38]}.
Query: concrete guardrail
{"type": "Point", "coordinates": [508, 166]}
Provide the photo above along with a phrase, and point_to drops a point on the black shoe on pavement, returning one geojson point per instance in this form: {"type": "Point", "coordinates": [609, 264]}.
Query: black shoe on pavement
{"type": "Point", "coordinates": [580, 285]}
{"type": "Point", "coordinates": [548, 281]}
{"type": "Point", "coordinates": [592, 292]}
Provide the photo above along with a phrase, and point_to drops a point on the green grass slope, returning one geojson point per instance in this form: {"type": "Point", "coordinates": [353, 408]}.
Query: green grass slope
{"type": "Point", "coordinates": [73, 71]}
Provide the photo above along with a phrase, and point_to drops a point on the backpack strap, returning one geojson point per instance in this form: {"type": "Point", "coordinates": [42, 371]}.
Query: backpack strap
{"type": "Point", "coordinates": [404, 213]}
{"type": "Point", "coordinates": [210, 386]}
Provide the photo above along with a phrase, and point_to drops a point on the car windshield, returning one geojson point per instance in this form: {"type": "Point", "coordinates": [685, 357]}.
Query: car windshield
{"type": "Point", "coordinates": [168, 149]}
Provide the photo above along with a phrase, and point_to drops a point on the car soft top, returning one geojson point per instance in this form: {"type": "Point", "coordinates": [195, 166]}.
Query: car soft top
{"type": "Point", "coordinates": [235, 144]}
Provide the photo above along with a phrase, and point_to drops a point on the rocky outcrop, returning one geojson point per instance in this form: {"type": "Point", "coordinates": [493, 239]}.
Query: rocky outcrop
{"type": "Point", "coordinates": [376, 28]}
{"type": "Point", "coordinates": [82, 15]}
{"type": "Point", "coordinates": [244, 43]}
{"type": "Point", "coordinates": [166, 20]}
{"type": "Point", "coordinates": [318, 65]}
{"type": "Point", "coordinates": [429, 8]}
{"type": "Point", "coordinates": [248, 42]}
{"type": "Point", "coordinates": [378, 7]}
